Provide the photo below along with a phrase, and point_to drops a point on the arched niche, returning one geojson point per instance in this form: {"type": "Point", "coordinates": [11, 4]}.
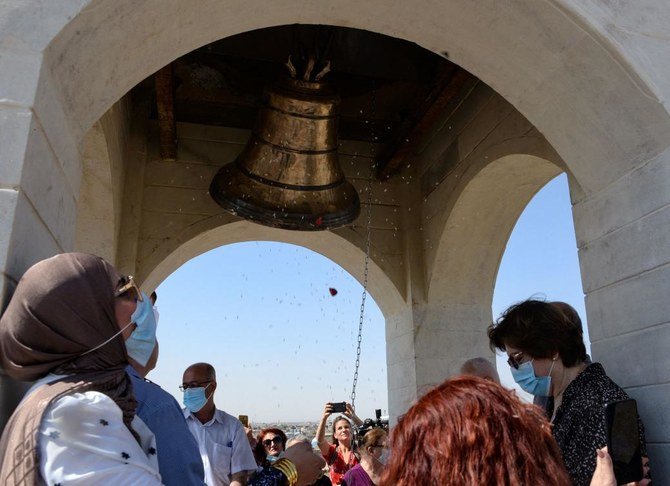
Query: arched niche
{"type": "Point", "coordinates": [482, 211]}
{"type": "Point", "coordinates": [476, 231]}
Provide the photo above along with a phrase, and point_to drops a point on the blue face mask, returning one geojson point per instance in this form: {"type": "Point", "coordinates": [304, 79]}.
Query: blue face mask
{"type": "Point", "coordinates": [526, 379]}
{"type": "Point", "coordinates": [142, 341]}
{"type": "Point", "coordinates": [386, 454]}
{"type": "Point", "coordinates": [195, 398]}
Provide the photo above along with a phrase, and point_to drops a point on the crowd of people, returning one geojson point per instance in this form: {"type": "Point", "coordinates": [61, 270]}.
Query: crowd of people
{"type": "Point", "coordinates": [86, 335]}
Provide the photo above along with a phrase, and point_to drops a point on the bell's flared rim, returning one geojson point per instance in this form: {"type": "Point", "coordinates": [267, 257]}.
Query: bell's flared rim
{"type": "Point", "coordinates": [243, 203]}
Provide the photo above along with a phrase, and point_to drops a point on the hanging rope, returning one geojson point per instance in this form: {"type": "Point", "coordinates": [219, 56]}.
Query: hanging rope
{"type": "Point", "coordinates": [364, 296]}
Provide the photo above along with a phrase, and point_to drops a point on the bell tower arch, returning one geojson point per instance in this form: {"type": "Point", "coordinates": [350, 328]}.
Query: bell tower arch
{"type": "Point", "coordinates": [586, 78]}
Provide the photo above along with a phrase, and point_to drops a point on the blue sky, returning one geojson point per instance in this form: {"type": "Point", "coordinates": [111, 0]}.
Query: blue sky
{"type": "Point", "coordinates": [282, 346]}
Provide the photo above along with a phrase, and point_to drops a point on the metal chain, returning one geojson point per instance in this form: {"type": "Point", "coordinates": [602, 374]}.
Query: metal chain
{"type": "Point", "coordinates": [368, 225]}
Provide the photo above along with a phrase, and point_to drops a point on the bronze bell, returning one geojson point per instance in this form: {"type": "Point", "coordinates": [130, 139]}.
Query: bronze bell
{"type": "Point", "coordinates": [288, 175]}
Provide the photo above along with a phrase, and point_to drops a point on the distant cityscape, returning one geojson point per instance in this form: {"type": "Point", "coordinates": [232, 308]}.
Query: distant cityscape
{"type": "Point", "coordinates": [291, 429]}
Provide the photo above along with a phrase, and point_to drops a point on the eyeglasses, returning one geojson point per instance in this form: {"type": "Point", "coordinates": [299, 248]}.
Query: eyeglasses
{"type": "Point", "coordinates": [514, 360]}
{"type": "Point", "coordinates": [128, 284]}
{"type": "Point", "coordinates": [276, 440]}
{"type": "Point", "coordinates": [194, 384]}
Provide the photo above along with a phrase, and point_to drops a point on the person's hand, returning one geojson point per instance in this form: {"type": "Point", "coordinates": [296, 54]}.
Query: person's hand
{"type": "Point", "coordinates": [604, 473]}
{"type": "Point", "coordinates": [351, 413]}
{"type": "Point", "coordinates": [327, 410]}
{"type": "Point", "coordinates": [308, 464]}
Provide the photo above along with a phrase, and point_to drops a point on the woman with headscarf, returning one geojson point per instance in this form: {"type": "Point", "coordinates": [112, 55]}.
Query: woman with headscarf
{"type": "Point", "coordinates": [70, 325]}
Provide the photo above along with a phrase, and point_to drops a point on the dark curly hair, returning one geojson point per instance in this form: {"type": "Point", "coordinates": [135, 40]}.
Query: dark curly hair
{"type": "Point", "coordinates": [540, 329]}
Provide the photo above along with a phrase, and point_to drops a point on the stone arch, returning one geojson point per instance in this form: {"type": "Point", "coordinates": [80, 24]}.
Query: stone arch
{"type": "Point", "coordinates": [336, 248]}
{"type": "Point", "coordinates": [99, 203]}
{"type": "Point", "coordinates": [482, 210]}
{"type": "Point", "coordinates": [476, 232]}
{"type": "Point", "coordinates": [592, 77]}
{"type": "Point", "coordinates": [567, 69]}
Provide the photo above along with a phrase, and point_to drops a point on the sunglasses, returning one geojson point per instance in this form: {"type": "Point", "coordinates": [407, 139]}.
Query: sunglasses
{"type": "Point", "coordinates": [129, 287]}
{"type": "Point", "coordinates": [276, 440]}
{"type": "Point", "coordinates": [194, 384]}
{"type": "Point", "coordinates": [514, 360]}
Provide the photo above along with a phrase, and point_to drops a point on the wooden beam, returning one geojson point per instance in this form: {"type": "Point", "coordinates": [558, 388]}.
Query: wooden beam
{"type": "Point", "coordinates": [429, 114]}
{"type": "Point", "coordinates": [164, 80]}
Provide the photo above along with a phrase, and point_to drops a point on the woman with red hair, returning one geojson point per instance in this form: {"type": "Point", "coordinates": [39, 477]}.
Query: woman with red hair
{"type": "Point", "coordinates": [270, 443]}
{"type": "Point", "coordinates": [472, 431]}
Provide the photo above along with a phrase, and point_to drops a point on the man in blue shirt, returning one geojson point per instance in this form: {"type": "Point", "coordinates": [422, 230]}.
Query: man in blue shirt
{"type": "Point", "coordinates": [179, 461]}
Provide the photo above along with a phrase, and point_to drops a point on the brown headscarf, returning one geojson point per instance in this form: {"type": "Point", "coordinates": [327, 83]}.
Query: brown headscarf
{"type": "Point", "coordinates": [62, 307]}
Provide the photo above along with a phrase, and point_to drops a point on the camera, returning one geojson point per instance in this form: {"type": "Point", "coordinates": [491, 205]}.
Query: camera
{"type": "Point", "coordinates": [369, 424]}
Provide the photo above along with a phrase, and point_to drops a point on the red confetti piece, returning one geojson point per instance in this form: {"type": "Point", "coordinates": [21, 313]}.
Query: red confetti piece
{"type": "Point", "coordinates": [332, 291]}
{"type": "Point", "coordinates": [319, 221]}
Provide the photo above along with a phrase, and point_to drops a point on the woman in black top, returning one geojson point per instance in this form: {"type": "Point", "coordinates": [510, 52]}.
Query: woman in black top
{"type": "Point", "coordinates": [547, 358]}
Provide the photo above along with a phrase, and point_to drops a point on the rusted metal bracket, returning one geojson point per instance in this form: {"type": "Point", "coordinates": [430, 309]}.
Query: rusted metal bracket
{"type": "Point", "coordinates": [164, 80]}
{"type": "Point", "coordinates": [429, 113]}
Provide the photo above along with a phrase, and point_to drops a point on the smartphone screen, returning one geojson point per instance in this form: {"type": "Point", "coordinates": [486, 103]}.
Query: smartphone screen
{"type": "Point", "coordinates": [244, 419]}
{"type": "Point", "coordinates": [623, 440]}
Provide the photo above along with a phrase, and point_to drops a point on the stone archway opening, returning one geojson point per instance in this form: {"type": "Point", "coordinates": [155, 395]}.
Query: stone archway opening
{"type": "Point", "coordinates": [467, 248]}
{"type": "Point", "coordinates": [261, 312]}
{"type": "Point", "coordinates": [541, 261]}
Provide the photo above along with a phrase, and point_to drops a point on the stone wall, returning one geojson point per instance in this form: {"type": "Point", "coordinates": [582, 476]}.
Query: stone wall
{"type": "Point", "coordinates": [590, 76]}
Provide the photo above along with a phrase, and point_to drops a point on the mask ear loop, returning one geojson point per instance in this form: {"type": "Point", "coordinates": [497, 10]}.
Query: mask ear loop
{"type": "Point", "coordinates": [208, 397]}
{"type": "Point", "coordinates": [553, 362]}
{"type": "Point", "coordinates": [108, 341]}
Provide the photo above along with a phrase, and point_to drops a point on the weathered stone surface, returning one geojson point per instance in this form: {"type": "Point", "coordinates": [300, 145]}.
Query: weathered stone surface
{"type": "Point", "coordinates": [20, 66]}
{"type": "Point", "coordinates": [636, 194]}
{"type": "Point", "coordinates": [650, 345]}
{"type": "Point", "coordinates": [636, 303]}
{"type": "Point", "coordinates": [8, 202]}
{"type": "Point", "coordinates": [656, 418]}
{"type": "Point", "coordinates": [658, 457]}
{"type": "Point", "coordinates": [640, 246]}
{"type": "Point", "coordinates": [46, 185]}
{"type": "Point", "coordinates": [26, 241]}
{"type": "Point", "coordinates": [14, 130]}
{"type": "Point", "coordinates": [400, 348]}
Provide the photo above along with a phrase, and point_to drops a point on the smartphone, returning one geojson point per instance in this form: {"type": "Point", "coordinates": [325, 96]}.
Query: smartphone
{"type": "Point", "coordinates": [339, 407]}
{"type": "Point", "coordinates": [623, 440]}
{"type": "Point", "coordinates": [244, 419]}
